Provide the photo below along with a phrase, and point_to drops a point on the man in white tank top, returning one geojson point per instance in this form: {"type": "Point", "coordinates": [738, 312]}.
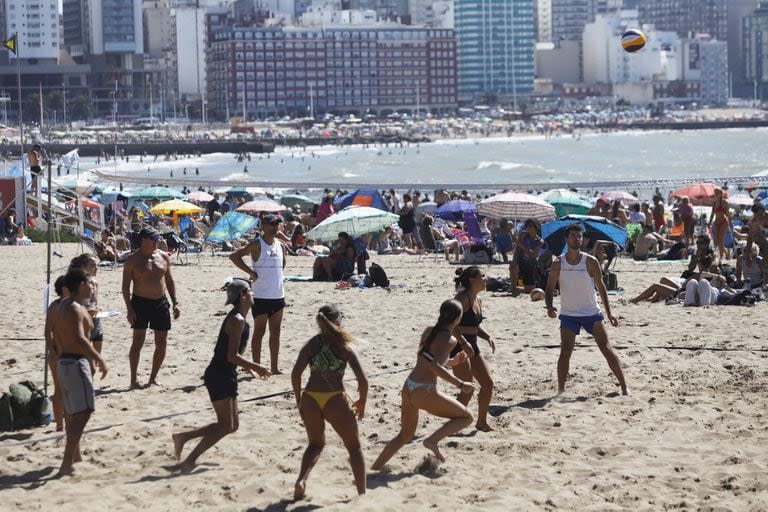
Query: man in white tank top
{"type": "Point", "coordinates": [266, 272]}
{"type": "Point", "coordinates": [579, 276]}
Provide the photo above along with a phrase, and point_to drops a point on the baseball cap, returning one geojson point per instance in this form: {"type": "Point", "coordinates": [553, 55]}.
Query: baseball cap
{"type": "Point", "coordinates": [235, 288]}
{"type": "Point", "coordinates": [271, 218]}
{"type": "Point", "coordinates": [150, 233]}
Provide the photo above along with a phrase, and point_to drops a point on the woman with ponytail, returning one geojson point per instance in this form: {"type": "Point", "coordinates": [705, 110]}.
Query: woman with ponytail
{"type": "Point", "coordinates": [324, 398]}
{"type": "Point", "coordinates": [420, 390]}
{"type": "Point", "coordinates": [470, 282]}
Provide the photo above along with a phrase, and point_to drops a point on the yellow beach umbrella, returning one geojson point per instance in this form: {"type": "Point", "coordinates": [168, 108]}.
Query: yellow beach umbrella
{"type": "Point", "coordinates": [176, 206]}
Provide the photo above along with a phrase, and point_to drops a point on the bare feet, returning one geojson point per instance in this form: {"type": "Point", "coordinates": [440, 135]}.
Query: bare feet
{"type": "Point", "coordinates": [178, 445]}
{"type": "Point", "coordinates": [154, 382]}
{"type": "Point", "coordinates": [134, 385]}
{"type": "Point", "coordinates": [66, 471]}
{"type": "Point", "coordinates": [59, 427]}
{"type": "Point", "coordinates": [432, 446]}
{"type": "Point", "coordinates": [300, 490]}
{"type": "Point", "coordinates": [484, 427]}
{"type": "Point", "coordinates": [184, 467]}
{"type": "Point", "coordinates": [275, 371]}
{"type": "Point", "coordinates": [624, 390]}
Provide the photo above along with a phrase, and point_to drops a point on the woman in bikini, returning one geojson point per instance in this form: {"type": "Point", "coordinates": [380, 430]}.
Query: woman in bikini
{"type": "Point", "coordinates": [324, 399]}
{"type": "Point", "coordinates": [420, 390]}
{"type": "Point", "coordinates": [469, 283]}
{"type": "Point", "coordinates": [722, 223]}
{"type": "Point", "coordinates": [221, 376]}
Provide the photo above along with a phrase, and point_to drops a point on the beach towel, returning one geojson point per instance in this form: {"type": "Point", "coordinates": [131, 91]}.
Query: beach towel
{"type": "Point", "coordinates": [297, 278]}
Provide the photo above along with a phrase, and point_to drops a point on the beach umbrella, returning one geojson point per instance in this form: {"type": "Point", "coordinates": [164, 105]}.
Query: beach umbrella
{"type": "Point", "coordinates": [754, 185]}
{"type": "Point", "coordinates": [515, 205]}
{"type": "Point", "coordinates": [260, 205]}
{"type": "Point", "coordinates": [427, 207]}
{"type": "Point", "coordinates": [568, 205]}
{"type": "Point", "coordinates": [700, 194]}
{"type": "Point", "coordinates": [304, 202]}
{"type": "Point", "coordinates": [232, 225]}
{"type": "Point", "coordinates": [199, 196]}
{"type": "Point", "coordinates": [740, 199]}
{"type": "Point", "coordinates": [363, 197]}
{"type": "Point", "coordinates": [158, 194]}
{"type": "Point", "coordinates": [626, 198]}
{"type": "Point", "coordinates": [89, 203]}
{"type": "Point", "coordinates": [595, 228]}
{"type": "Point", "coordinates": [354, 220]}
{"type": "Point", "coordinates": [77, 185]}
{"type": "Point", "coordinates": [559, 193]}
{"type": "Point", "coordinates": [112, 194]}
{"type": "Point", "coordinates": [175, 206]}
{"type": "Point", "coordinates": [454, 210]}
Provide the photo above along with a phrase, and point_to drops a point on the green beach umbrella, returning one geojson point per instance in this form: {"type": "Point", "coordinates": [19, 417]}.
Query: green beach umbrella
{"type": "Point", "coordinates": [158, 194]}
{"type": "Point", "coordinates": [354, 220]}
{"type": "Point", "coordinates": [304, 202]}
{"type": "Point", "coordinates": [568, 205]}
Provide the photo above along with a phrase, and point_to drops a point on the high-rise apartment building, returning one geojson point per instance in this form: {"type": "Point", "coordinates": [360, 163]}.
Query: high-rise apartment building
{"type": "Point", "coordinates": [495, 40]}
{"type": "Point", "coordinates": [37, 24]}
{"type": "Point", "coordinates": [568, 17]}
{"type": "Point", "coordinates": [756, 51]}
{"type": "Point", "coordinates": [257, 71]}
{"type": "Point", "coordinates": [543, 17]}
{"type": "Point", "coordinates": [737, 11]}
{"type": "Point", "coordinates": [687, 16]}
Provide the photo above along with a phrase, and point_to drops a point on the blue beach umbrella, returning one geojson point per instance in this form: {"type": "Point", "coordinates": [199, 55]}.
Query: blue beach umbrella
{"type": "Point", "coordinates": [454, 210]}
{"type": "Point", "coordinates": [595, 228]}
{"type": "Point", "coordinates": [232, 225]}
{"type": "Point", "coordinates": [362, 197]}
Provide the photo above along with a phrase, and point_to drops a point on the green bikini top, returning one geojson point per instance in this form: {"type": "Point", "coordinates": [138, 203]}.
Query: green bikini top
{"type": "Point", "coordinates": [326, 360]}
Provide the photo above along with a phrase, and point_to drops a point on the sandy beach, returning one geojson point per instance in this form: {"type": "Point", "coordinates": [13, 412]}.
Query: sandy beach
{"type": "Point", "coordinates": [692, 435]}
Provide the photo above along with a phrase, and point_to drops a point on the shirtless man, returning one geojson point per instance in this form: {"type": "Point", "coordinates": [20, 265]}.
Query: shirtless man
{"type": "Point", "coordinates": [756, 235]}
{"type": "Point", "coordinates": [579, 276]}
{"type": "Point", "coordinates": [71, 327]}
{"type": "Point", "coordinates": [150, 272]}
{"type": "Point", "coordinates": [647, 244]}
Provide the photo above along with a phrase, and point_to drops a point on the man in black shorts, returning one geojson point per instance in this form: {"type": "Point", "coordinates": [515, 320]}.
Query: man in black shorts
{"type": "Point", "coordinates": [149, 269]}
{"type": "Point", "coordinates": [35, 157]}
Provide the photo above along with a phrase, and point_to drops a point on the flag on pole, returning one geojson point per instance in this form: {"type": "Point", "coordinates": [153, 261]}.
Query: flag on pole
{"type": "Point", "coordinates": [70, 159]}
{"type": "Point", "coordinates": [10, 43]}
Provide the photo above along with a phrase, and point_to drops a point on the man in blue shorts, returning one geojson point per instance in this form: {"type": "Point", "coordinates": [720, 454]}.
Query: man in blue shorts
{"type": "Point", "coordinates": [579, 275]}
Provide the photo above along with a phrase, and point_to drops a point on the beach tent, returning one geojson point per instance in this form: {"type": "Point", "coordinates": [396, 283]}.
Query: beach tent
{"type": "Point", "coordinates": [354, 220]}
{"type": "Point", "coordinates": [363, 197]}
{"type": "Point", "coordinates": [595, 228]}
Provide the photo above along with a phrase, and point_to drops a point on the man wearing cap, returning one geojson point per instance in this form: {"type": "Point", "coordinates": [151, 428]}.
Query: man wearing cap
{"type": "Point", "coordinates": [578, 274]}
{"type": "Point", "coordinates": [149, 269]}
{"type": "Point", "coordinates": [266, 272]}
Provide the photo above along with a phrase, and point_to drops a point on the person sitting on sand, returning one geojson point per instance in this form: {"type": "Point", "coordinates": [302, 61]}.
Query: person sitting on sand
{"type": "Point", "coordinates": [324, 399]}
{"type": "Point", "coordinates": [385, 244]}
{"type": "Point", "coordinates": [647, 246]}
{"type": "Point", "coordinates": [470, 282]}
{"type": "Point", "coordinates": [504, 239]}
{"type": "Point", "coordinates": [221, 375]}
{"type": "Point", "coordinates": [339, 262]}
{"type": "Point", "coordinates": [750, 268]}
{"type": "Point", "coordinates": [420, 390]}
{"type": "Point", "coordinates": [528, 248]}
{"type": "Point", "coordinates": [666, 288]}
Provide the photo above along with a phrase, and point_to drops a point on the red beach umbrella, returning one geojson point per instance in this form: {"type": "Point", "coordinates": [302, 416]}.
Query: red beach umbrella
{"type": "Point", "coordinates": [700, 194]}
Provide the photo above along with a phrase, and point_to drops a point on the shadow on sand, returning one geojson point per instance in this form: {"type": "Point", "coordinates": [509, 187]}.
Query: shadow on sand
{"type": "Point", "coordinates": [29, 480]}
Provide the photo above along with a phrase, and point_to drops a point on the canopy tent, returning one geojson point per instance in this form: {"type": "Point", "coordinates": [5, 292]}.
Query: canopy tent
{"type": "Point", "coordinates": [362, 197]}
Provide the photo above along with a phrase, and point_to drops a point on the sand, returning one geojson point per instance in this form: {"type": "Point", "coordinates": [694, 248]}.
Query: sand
{"type": "Point", "coordinates": [692, 435]}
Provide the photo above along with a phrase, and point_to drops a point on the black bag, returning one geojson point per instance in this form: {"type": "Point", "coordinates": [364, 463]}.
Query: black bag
{"type": "Point", "coordinates": [174, 242]}
{"type": "Point", "coordinates": [6, 413]}
{"type": "Point", "coordinates": [378, 276]}
{"type": "Point", "coordinates": [611, 281]}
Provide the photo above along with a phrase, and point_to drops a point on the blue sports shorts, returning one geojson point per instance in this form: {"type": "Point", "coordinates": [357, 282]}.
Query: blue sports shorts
{"type": "Point", "coordinates": [575, 323]}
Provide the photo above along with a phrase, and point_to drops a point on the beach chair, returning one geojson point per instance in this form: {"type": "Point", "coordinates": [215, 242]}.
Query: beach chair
{"type": "Point", "coordinates": [477, 241]}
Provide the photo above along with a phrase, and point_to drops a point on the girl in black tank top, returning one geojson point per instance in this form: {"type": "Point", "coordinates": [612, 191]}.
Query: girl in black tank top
{"type": "Point", "coordinates": [221, 375]}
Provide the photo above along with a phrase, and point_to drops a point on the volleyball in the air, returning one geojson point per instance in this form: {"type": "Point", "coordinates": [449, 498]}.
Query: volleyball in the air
{"type": "Point", "coordinates": [633, 40]}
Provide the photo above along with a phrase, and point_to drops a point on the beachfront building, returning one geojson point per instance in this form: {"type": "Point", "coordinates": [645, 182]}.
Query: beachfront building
{"type": "Point", "coordinates": [495, 41]}
{"type": "Point", "coordinates": [668, 69]}
{"type": "Point", "coordinates": [260, 71]}
{"type": "Point", "coordinates": [42, 64]}
{"type": "Point", "coordinates": [687, 16]}
{"type": "Point", "coordinates": [737, 11]}
{"type": "Point", "coordinates": [756, 51]}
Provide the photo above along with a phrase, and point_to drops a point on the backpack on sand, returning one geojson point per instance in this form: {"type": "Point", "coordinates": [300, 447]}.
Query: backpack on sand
{"type": "Point", "coordinates": [378, 276]}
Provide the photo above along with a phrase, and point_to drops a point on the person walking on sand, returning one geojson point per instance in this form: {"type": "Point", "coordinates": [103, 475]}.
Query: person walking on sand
{"type": "Point", "coordinates": [70, 328]}
{"type": "Point", "coordinates": [149, 269]}
{"type": "Point", "coordinates": [221, 376]}
{"type": "Point", "coordinates": [266, 272]}
{"type": "Point", "coordinates": [420, 390]}
{"type": "Point", "coordinates": [324, 399]}
{"type": "Point", "coordinates": [470, 282]}
{"type": "Point", "coordinates": [90, 264]}
{"type": "Point", "coordinates": [578, 274]}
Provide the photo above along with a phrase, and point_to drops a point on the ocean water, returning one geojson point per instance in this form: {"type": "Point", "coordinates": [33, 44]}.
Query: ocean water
{"type": "Point", "coordinates": [619, 156]}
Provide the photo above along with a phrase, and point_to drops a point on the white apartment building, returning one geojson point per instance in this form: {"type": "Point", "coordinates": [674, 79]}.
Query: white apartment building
{"type": "Point", "coordinates": [37, 24]}
{"type": "Point", "coordinates": [190, 48]}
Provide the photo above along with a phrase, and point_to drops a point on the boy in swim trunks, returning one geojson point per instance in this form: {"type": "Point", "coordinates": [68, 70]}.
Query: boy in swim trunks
{"type": "Point", "coordinates": [149, 269]}
{"type": "Point", "coordinates": [71, 327]}
{"type": "Point", "coordinates": [579, 275]}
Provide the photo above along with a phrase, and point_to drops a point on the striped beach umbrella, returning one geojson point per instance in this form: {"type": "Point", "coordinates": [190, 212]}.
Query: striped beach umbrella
{"type": "Point", "coordinates": [515, 205]}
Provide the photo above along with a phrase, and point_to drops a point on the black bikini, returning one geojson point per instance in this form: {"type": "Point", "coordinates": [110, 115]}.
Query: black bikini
{"type": "Point", "coordinates": [469, 319]}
